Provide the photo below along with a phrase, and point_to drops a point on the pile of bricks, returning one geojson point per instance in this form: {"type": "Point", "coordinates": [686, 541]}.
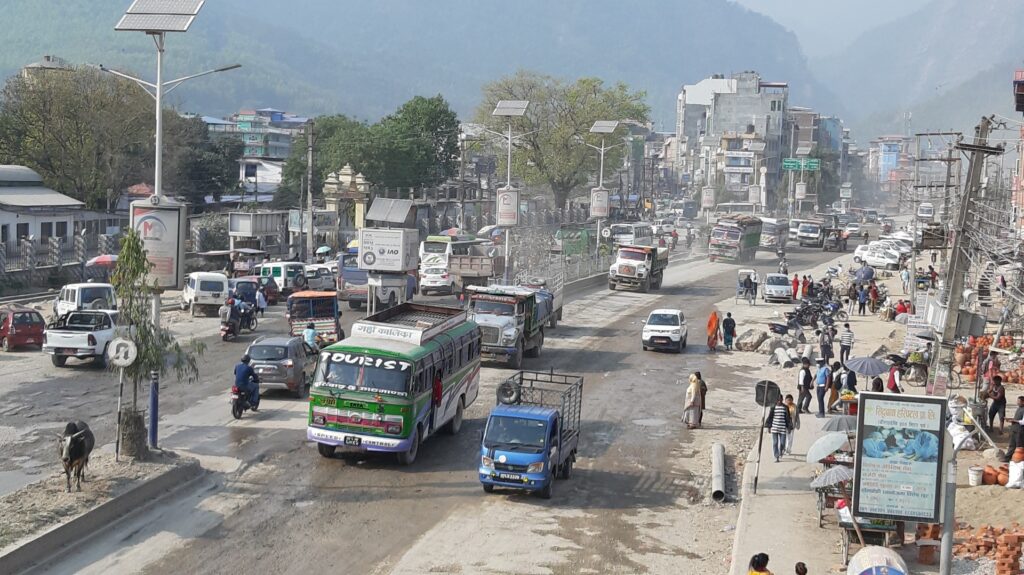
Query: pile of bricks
{"type": "Point", "coordinates": [1002, 545]}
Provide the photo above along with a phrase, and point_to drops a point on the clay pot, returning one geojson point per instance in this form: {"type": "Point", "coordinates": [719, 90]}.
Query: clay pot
{"type": "Point", "coordinates": [1003, 479]}
{"type": "Point", "coordinates": [1018, 454]}
{"type": "Point", "coordinates": [1004, 468]}
{"type": "Point", "coordinates": [990, 476]}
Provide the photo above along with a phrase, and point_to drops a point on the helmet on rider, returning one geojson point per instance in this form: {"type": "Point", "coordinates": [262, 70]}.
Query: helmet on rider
{"type": "Point", "coordinates": [231, 301]}
{"type": "Point", "coordinates": [246, 358]}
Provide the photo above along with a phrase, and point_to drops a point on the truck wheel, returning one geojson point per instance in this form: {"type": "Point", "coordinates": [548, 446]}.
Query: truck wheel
{"type": "Point", "coordinates": [646, 286]}
{"type": "Point", "coordinates": [517, 360]}
{"type": "Point", "coordinates": [354, 305]}
{"type": "Point", "coordinates": [5, 344]}
{"type": "Point", "coordinates": [456, 422]}
{"type": "Point", "coordinates": [546, 492]}
{"type": "Point", "coordinates": [611, 286]}
{"type": "Point", "coordinates": [566, 470]}
{"type": "Point", "coordinates": [657, 282]}
{"type": "Point", "coordinates": [392, 300]}
{"type": "Point", "coordinates": [409, 457]}
{"type": "Point", "coordinates": [535, 351]}
{"type": "Point", "coordinates": [553, 322]}
{"type": "Point", "coordinates": [58, 360]}
{"type": "Point", "coordinates": [488, 488]}
{"type": "Point", "coordinates": [325, 450]}
{"type": "Point", "coordinates": [192, 309]}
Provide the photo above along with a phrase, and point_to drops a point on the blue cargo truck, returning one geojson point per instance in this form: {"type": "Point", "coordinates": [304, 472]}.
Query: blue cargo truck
{"type": "Point", "coordinates": [533, 432]}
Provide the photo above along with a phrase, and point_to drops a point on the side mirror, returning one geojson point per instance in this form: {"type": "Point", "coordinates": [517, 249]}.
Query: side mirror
{"type": "Point", "coordinates": [643, 322]}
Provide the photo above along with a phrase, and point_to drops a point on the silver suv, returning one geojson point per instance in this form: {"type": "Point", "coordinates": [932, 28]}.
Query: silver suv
{"type": "Point", "coordinates": [283, 363]}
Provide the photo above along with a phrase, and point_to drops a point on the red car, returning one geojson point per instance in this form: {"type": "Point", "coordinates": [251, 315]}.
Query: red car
{"type": "Point", "coordinates": [20, 326]}
{"type": "Point", "coordinates": [270, 289]}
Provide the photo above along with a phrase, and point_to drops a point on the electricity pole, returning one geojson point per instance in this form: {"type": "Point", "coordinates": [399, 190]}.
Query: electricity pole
{"type": "Point", "coordinates": [955, 276]}
{"type": "Point", "coordinates": [310, 242]}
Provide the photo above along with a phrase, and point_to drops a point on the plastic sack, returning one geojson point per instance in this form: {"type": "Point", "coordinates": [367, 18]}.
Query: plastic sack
{"type": "Point", "coordinates": [1016, 475]}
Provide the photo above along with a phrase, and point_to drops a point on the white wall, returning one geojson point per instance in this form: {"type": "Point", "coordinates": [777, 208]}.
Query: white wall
{"type": "Point", "coordinates": [34, 221]}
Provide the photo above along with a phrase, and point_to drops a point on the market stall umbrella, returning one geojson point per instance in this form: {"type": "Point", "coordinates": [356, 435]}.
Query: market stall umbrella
{"type": "Point", "coordinates": [454, 232]}
{"type": "Point", "coordinates": [865, 274]}
{"type": "Point", "coordinates": [841, 423]}
{"type": "Point", "coordinates": [826, 445]}
{"type": "Point", "coordinates": [869, 366]}
{"type": "Point", "coordinates": [833, 476]}
{"type": "Point", "coordinates": [323, 250]}
{"type": "Point", "coordinates": [104, 261]}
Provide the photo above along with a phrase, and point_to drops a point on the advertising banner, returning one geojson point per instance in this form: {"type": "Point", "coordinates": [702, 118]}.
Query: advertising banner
{"type": "Point", "coordinates": [707, 198]}
{"type": "Point", "coordinates": [599, 207]}
{"type": "Point", "coordinates": [507, 210]}
{"type": "Point", "coordinates": [388, 250]}
{"type": "Point", "coordinates": [754, 194]}
{"type": "Point", "coordinates": [162, 230]}
{"type": "Point", "coordinates": [801, 190]}
{"type": "Point", "coordinates": [898, 463]}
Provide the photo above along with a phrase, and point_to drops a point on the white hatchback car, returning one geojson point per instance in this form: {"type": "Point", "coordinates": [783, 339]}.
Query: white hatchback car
{"type": "Point", "coordinates": [777, 287]}
{"type": "Point", "coordinates": [436, 280]}
{"type": "Point", "coordinates": [664, 329]}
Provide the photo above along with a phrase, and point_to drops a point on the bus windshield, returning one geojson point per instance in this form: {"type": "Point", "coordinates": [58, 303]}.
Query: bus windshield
{"type": "Point", "coordinates": [621, 230]}
{"type": "Point", "coordinates": [364, 373]}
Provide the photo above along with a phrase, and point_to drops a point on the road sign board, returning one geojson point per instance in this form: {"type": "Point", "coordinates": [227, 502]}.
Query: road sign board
{"type": "Point", "coordinates": [797, 164]}
{"type": "Point", "coordinates": [122, 352]}
{"type": "Point", "coordinates": [812, 164]}
{"type": "Point", "coordinates": [791, 163]}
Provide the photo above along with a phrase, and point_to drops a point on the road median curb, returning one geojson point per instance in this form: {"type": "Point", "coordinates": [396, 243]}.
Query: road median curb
{"type": "Point", "coordinates": [746, 493]}
{"type": "Point", "coordinates": [47, 545]}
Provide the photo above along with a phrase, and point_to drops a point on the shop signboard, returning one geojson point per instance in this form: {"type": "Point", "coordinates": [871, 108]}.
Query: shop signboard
{"type": "Point", "coordinates": [160, 225]}
{"type": "Point", "coordinates": [388, 250]}
{"type": "Point", "coordinates": [507, 209]}
{"type": "Point", "coordinates": [599, 207]}
{"type": "Point", "coordinates": [898, 461]}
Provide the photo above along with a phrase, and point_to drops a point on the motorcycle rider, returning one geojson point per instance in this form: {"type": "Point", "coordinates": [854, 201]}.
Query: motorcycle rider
{"type": "Point", "coordinates": [675, 239]}
{"type": "Point", "coordinates": [248, 382]}
{"type": "Point", "coordinates": [229, 314]}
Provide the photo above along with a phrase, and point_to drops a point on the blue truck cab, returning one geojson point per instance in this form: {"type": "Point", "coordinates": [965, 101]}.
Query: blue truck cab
{"type": "Point", "coordinates": [532, 434]}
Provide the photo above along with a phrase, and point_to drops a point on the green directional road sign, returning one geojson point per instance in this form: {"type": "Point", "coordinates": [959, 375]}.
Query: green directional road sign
{"type": "Point", "coordinates": [791, 164]}
{"type": "Point", "coordinates": [797, 164]}
{"type": "Point", "coordinates": [812, 164]}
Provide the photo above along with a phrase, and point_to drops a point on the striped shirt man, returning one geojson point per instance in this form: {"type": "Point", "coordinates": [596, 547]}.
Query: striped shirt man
{"type": "Point", "coordinates": [845, 343]}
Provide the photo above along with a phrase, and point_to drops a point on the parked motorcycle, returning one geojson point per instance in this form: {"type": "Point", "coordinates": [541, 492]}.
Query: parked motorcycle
{"type": "Point", "coordinates": [791, 327]}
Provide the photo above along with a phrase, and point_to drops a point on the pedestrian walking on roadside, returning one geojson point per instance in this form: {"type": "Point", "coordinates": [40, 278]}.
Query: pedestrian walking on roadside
{"type": "Point", "coordinates": [261, 301]}
{"type": "Point", "coordinates": [822, 381]}
{"type": "Point", "coordinates": [873, 297]}
{"type": "Point", "coordinates": [935, 256]}
{"type": "Point", "coordinates": [905, 278]}
{"type": "Point", "coordinates": [804, 382]}
{"type": "Point", "coordinates": [691, 414]}
{"type": "Point", "coordinates": [851, 298]}
{"type": "Point", "coordinates": [862, 299]}
{"type": "Point", "coordinates": [758, 565]}
{"type": "Point", "coordinates": [825, 344]}
{"type": "Point", "coordinates": [895, 377]}
{"type": "Point", "coordinates": [876, 385]}
{"type": "Point", "coordinates": [794, 416]}
{"type": "Point", "coordinates": [838, 373]}
{"type": "Point", "coordinates": [1016, 430]}
{"type": "Point", "coordinates": [804, 287]}
{"type": "Point", "coordinates": [714, 330]}
{"type": "Point", "coordinates": [796, 287]}
{"type": "Point", "coordinates": [997, 393]}
{"type": "Point", "coordinates": [845, 343]}
{"type": "Point", "coordinates": [933, 276]}
{"type": "Point", "coordinates": [728, 330]}
{"type": "Point", "coordinates": [800, 568]}
{"type": "Point", "coordinates": [779, 424]}
{"type": "Point", "coordinates": [703, 397]}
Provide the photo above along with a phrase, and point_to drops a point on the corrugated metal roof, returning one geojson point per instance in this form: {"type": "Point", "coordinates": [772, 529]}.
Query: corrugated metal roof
{"type": "Point", "coordinates": [35, 197]}
{"type": "Point", "coordinates": [9, 173]}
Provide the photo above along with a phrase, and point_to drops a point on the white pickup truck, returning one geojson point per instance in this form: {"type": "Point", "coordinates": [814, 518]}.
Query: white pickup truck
{"type": "Point", "coordinates": [81, 335]}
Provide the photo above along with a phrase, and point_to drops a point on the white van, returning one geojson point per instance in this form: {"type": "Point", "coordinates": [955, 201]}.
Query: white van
{"type": "Point", "coordinates": [205, 290]}
{"type": "Point", "coordinates": [289, 276]}
{"type": "Point", "coordinates": [89, 295]}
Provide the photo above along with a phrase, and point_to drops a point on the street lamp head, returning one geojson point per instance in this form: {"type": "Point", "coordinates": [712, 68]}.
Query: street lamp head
{"type": "Point", "coordinates": [159, 16]}
{"type": "Point", "coordinates": [510, 108]}
{"type": "Point", "coordinates": [226, 68]}
{"type": "Point", "coordinates": [604, 126]}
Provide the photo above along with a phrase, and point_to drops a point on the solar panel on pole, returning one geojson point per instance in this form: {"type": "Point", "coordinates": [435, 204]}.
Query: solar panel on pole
{"type": "Point", "coordinates": [604, 126]}
{"type": "Point", "coordinates": [155, 16]}
{"type": "Point", "coordinates": [510, 108]}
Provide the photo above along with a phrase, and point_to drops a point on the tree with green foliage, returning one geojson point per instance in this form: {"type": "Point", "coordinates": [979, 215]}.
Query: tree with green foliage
{"type": "Point", "coordinates": [197, 165]}
{"type": "Point", "coordinates": [556, 125]}
{"type": "Point", "coordinates": [825, 181]}
{"type": "Point", "coordinates": [416, 146]}
{"type": "Point", "coordinates": [85, 132]}
{"type": "Point", "coordinates": [158, 350]}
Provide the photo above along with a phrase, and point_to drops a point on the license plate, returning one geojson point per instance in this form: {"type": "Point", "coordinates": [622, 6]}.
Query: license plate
{"type": "Point", "coordinates": [661, 340]}
{"type": "Point", "coordinates": [65, 351]}
{"type": "Point", "coordinates": [353, 441]}
{"type": "Point", "coordinates": [265, 370]}
{"type": "Point", "coordinates": [234, 396]}
{"type": "Point", "coordinates": [30, 340]}
{"type": "Point", "coordinates": [510, 476]}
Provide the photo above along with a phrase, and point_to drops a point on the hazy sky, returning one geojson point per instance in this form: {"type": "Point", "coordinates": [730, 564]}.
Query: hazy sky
{"type": "Point", "coordinates": [827, 26]}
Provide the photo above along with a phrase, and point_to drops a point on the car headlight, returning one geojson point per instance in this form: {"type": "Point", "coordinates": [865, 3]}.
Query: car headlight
{"type": "Point", "coordinates": [508, 337]}
{"type": "Point", "coordinates": [535, 467]}
{"type": "Point", "coordinates": [676, 332]}
{"type": "Point", "coordinates": [486, 462]}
